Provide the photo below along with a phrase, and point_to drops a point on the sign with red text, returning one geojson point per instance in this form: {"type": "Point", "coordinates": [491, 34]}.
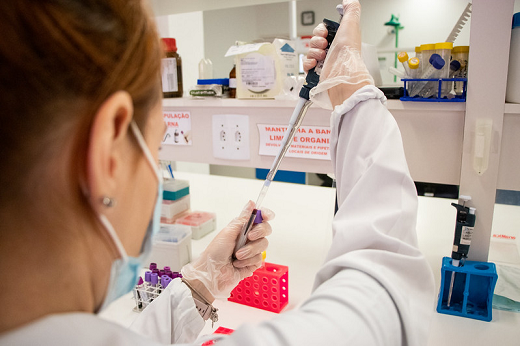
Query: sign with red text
{"type": "Point", "coordinates": [311, 142]}
{"type": "Point", "coordinates": [179, 128]}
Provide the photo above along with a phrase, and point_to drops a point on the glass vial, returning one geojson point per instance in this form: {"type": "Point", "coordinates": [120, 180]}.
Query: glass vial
{"type": "Point", "coordinates": [233, 82]}
{"type": "Point", "coordinates": [171, 70]}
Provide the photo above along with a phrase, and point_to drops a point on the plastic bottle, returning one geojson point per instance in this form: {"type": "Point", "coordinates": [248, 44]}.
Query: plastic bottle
{"type": "Point", "coordinates": [403, 59]}
{"type": "Point", "coordinates": [431, 71]}
{"type": "Point", "coordinates": [513, 75]}
{"type": "Point", "coordinates": [171, 72]}
{"type": "Point", "coordinates": [460, 53]}
{"type": "Point", "coordinates": [205, 69]}
{"type": "Point", "coordinates": [233, 82]}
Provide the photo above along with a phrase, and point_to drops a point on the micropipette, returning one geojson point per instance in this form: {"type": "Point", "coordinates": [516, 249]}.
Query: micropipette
{"type": "Point", "coordinates": [462, 239]}
{"type": "Point", "coordinates": [312, 79]}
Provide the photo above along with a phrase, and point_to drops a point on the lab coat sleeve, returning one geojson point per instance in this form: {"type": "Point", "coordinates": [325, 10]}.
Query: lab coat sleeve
{"type": "Point", "coordinates": [375, 287]}
{"type": "Point", "coordinates": [171, 318]}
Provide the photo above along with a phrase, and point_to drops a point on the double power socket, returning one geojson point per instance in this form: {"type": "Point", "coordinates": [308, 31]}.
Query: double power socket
{"type": "Point", "coordinates": [231, 137]}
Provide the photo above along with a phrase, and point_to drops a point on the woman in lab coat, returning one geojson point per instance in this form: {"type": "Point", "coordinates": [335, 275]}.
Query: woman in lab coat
{"type": "Point", "coordinates": [80, 135]}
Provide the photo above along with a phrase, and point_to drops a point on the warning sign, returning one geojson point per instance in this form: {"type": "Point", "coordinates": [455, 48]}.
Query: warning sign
{"type": "Point", "coordinates": [311, 142]}
{"type": "Point", "coordinates": [179, 128]}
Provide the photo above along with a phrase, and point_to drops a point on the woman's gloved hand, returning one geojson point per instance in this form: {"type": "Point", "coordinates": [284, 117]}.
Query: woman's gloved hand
{"type": "Point", "coordinates": [344, 71]}
{"type": "Point", "coordinates": [216, 270]}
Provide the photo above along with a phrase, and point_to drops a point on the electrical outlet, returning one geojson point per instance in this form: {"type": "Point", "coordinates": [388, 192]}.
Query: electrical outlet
{"type": "Point", "coordinates": [231, 136]}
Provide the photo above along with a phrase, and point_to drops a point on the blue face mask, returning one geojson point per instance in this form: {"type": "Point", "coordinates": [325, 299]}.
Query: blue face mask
{"type": "Point", "coordinates": [125, 270]}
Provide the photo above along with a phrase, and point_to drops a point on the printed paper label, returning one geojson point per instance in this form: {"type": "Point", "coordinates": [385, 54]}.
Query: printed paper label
{"type": "Point", "coordinates": [258, 72]}
{"type": "Point", "coordinates": [311, 142]}
{"type": "Point", "coordinates": [179, 128]}
{"type": "Point", "coordinates": [169, 75]}
{"type": "Point", "coordinates": [465, 237]}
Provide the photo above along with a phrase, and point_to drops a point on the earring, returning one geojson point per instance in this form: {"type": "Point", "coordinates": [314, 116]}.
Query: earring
{"type": "Point", "coordinates": [108, 202]}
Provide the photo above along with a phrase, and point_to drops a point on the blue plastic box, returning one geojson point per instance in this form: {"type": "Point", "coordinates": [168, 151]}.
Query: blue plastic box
{"type": "Point", "coordinates": [473, 288]}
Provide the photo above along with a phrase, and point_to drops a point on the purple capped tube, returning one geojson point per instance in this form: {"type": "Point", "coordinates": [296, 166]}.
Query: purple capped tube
{"type": "Point", "coordinates": [154, 279]}
{"type": "Point", "coordinates": [147, 276]}
{"type": "Point", "coordinates": [153, 266]}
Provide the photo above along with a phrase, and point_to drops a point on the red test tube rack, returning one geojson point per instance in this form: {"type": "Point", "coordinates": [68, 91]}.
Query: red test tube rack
{"type": "Point", "coordinates": [266, 289]}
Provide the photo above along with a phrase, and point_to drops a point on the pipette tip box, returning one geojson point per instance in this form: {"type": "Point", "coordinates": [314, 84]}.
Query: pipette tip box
{"type": "Point", "coordinates": [171, 246]}
{"type": "Point", "coordinates": [473, 287]}
{"type": "Point", "coordinates": [173, 210]}
{"type": "Point", "coordinates": [266, 289]}
{"type": "Point", "coordinates": [174, 189]}
{"type": "Point", "coordinates": [201, 223]}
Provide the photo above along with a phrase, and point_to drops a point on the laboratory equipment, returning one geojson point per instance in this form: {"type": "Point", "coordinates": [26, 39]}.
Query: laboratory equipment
{"type": "Point", "coordinates": [403, 59]}
{"type": "Point", "coordinates": [472, 291]}
{"type": "Point", "coordinates": [426, 52]}
{"type": "Point", "coordinates": [460, 53]}
{"type": "Point", "coordinates": [394, 23]}
{"type": "Point", "coordinates": [171, 247]}
{"type": "Point", "coordinates": [171, 70]}
{"type": "Point", "coordinates": [205, 69]}
{"type": "Point", "coordinates": [513, 75]}
{"type": "Point", "coordinates": [201, 223]}
{"type": "Point", "coordinates": [413, 64]}
{"type": "Point", "coordinates": [444, 50]}
{"type": "Point", "coordinates": [171, 211]}
{"type": "Point", "coordinates": [174, 189]}
{"type": "Point", "coordinates": [460, 24]}
{"type": "Point", "coordinates": [266, 289]}
{"type": "Point", "coordinates": [463, 233]}
{"type": "Point", "coordinates": [432, 71]}
{"type": "Point", "coordinates": [151, 287]}
{"type": "Point", "coordinates": [218, 87]}
{"type": "Point", "coordinates": [454, 68]}
{"type": "Point", "coordinates": [233, 82]}
{"type": "Point", "coordinates": [312, 80]}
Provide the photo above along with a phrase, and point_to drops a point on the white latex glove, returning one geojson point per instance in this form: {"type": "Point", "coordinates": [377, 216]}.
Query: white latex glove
{"type": "Point", "coordinates": [216, 270]}
{"type": "Point", "coordinates": [344, 71]}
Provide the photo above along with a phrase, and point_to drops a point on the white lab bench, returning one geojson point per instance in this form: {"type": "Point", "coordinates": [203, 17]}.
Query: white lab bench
{"type": "Point", "coordinates": [301, 237]}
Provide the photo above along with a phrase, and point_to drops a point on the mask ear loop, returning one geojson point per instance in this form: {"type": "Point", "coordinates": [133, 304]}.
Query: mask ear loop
{"type": "Point", "coordinates": [144, 147]}
{"type": "Point", "coordinates": [108, 226]}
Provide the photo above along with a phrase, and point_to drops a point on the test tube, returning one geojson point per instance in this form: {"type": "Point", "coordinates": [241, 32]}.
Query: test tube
{"type": "Point", "coordinates": [431, 71]}
{"type": "Point", "coordinates": [444, 50]}
{"type": "Point", "coordinates": [166, 268]}
{"type": "Point", "coordinates": [454, 68]}
{"type": "Point", "coordinates": [153, 266]}
{"type": "Point", "coordinates": [426, 52]}
{"type": "Point", "coordinates": [403, 59]}
{"type": "Point", "coordinates": [413, 64]}
{"type": "Point", "coordinates": [461, 54]}
{"type": "Point", "coordinates": [418, 55]}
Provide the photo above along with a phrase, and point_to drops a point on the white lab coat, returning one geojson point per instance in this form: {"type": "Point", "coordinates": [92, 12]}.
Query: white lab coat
{"type": "Point", "coordinates": [375, 287]}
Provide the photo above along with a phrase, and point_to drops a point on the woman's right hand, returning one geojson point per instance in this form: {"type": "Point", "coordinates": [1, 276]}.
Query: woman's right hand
{"type": "Point", "coordinates": [344, 71]}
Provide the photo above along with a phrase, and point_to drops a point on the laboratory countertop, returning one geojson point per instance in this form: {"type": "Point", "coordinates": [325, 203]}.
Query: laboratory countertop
{"type": "Point", "coordinates": [301, 237]}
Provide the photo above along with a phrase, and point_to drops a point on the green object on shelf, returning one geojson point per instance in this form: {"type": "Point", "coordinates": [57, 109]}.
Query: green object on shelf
{"type": "Point", "coordinates": [394, 22]}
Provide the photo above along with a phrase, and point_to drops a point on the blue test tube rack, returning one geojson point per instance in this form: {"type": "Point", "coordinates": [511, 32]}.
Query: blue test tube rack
{"type": "Point", "coordinates": [438, 97]}
{"type": "Point", "coordinates": [473, 288]}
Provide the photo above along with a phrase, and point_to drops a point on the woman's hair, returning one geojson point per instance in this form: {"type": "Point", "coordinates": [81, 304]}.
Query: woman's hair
{"type": "Point", "coordinates": [59, 61]}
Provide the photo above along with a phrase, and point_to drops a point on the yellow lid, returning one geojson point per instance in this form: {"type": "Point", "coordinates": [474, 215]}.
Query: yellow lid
{"type": "Point", "coordinates": [460, 49]}
{"type": "Point", "coordinates": [444, 45]}
{"type": "Point", "coordinates": [427, 47]}
{"type": "Point", "coordinates": [413, 63]}
{"type": "Point", "coordinates": [264, 255]}
{"type": "Point", "coordinates": [417, 49]}
{"type": "Point", "coordinates": [402, 56]}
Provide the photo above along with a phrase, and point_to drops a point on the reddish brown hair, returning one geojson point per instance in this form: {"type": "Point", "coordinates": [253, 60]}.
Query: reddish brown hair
{"type": "Point", "coordinates": [59, 60]}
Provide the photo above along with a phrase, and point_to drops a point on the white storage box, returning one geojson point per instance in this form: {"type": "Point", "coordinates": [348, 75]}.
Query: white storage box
{"type": "Point", "coordinates": [171, 210]}
{"type": "Point", "coordinates": [172, 247]}
{"type": "Point", "coordinates": [201, 223]}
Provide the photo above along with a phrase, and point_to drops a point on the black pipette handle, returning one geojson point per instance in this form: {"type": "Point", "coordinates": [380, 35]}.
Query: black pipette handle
{"type": "Point", "coordinates": [313, 77]}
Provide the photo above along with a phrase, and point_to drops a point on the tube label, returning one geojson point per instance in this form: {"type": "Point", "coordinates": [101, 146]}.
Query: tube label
{"type": "Point", "coordinates": [465, 237]}
{"type": "Point", "coordinates": [169, 75]}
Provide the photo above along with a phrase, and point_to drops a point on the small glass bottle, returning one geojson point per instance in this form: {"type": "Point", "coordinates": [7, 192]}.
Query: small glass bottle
{"type": "Point", "coordinates": [233, 82]}
{"type": "Point", "coordinates": [171, 71]}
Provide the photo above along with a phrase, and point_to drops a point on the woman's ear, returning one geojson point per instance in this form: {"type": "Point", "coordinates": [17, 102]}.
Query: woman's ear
{"type": "Point", "coordinates": [107, 140]}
